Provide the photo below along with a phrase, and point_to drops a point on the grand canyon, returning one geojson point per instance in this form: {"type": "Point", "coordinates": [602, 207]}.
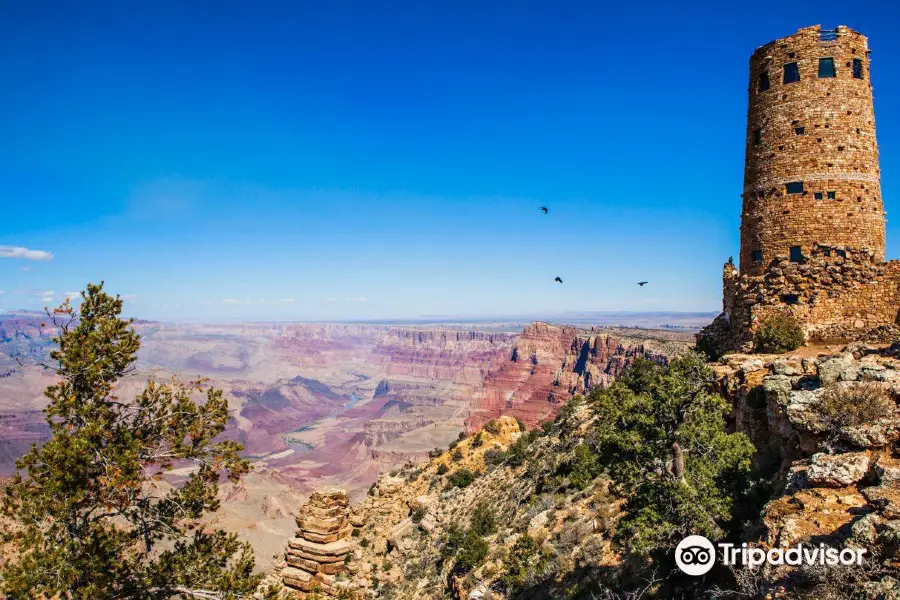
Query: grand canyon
{"type": "Point", "coordinates": [338, 404]}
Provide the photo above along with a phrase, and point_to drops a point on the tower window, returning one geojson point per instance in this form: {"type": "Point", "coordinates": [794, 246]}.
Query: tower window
{"type": "Point", "coordinates": [790, 298]}
{"type": "Point", "coordinates": [794, 187]}
{"type": "Point", "coordinates": [826, 68]}
{"type": "Point", "coordinates": [763, 81]}
{"type": "Point", "coordinates": [756, 256]}
{"type": "Point", "coordinates": [799, 130]}
{"type": "Point", "coordinates": [796, 254]}
{"type": "Point", "coordinates": [857, 68]}
{"type": "Point", "coordinates": [818, 195]}
{"type": "Point", "coordinates": [791, 72]}
{"type": "Point", "coordinates": [832, 195]}
{"type": "Point", "coordinates": [757, 136]}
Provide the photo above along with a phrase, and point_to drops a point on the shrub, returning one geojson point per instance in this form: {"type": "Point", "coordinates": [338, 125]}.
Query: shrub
{"type": "Point", "coordinates": [442, 468]}
{"type": "Point", "coordinates": [453, 539]}
{"type": "Point", "coordinates": [473, 551]}
{"type": "Point", "coordinates": [778, 333]}
{"type": "Point", "coordinates": [492, 427]}
{"type": "Point", "coordinates": [521, 424]}
{"type": "Point", "coordinates": [483, 521]}
{"type": "Point", "coordinates": [494, 456]}
{"type": "Point", "coordinates": [457, 455]}
{"type": "Point", "coordinates": [478, 440]}
{"type": "Point", "coordinates": [584, 467]}
{"type": "Point", "coordinates": [462, 478]}
{"type": "Point", "coordinates": [462, 435]}
{"type": "Point", "coordinates": [847, 405]}
{"type": "Point", "coordinates": [354, 533]}
{"type": "Point", "coordinates": [517, 452]}
{"type": "Point", "coordinates": [435, 453]}
{"type": "Point", "coordinates": [453, 445]}
{"type": "Point", "coordinates": [523, 564]}
{"type": "Point", "coordinates": [417, 514]}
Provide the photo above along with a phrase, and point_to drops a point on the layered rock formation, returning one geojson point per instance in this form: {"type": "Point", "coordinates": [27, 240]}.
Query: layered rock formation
{"type": "Point", "coordinates": [319, 549]}
{"type": "Point", "coordinates": [549, 364]}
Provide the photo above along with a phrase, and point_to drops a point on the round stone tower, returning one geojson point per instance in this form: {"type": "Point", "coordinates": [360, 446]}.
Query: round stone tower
{"type": "Point", "coordinates": [811, 176]}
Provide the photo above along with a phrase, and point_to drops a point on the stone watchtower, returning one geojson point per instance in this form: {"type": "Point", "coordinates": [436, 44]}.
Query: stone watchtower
{"type": "Point", "coordinates": [813, 220]}
{"type": "Point", "coordinates": [811, 173]}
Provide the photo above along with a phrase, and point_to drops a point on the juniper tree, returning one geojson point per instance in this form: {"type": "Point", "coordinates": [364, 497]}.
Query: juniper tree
{"type": "Point", "coordinates": [661, 435]}
{"type": "Point", "coordinates": [93, 515]}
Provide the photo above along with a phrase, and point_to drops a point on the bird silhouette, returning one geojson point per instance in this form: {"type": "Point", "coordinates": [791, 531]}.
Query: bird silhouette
{"type": "Point", "coordinates": [642, 283]}
{"type": "Point", "coordinates": [558, 280]}
{"type": "Point", "coordinates": [545, 209]}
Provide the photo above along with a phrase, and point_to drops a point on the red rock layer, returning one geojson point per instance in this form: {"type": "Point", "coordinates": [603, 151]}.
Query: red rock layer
{"type": "Point", "coordinates": [547, 366]}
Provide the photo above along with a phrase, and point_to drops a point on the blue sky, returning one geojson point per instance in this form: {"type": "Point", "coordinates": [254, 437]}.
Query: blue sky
{"type": "Point", "coordinates": [353, 160]}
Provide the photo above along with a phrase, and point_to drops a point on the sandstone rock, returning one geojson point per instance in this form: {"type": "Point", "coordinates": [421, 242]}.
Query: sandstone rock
{"type": "Point", "coordinates": [837, 470]}
{"type": "Point", "coordinates": [400, 531]}
{"type": "Point", "coordinates": [539, 522]}
{"type": "Point", "coordinates": [888, 471]}
{"type": "Point", "coordinates": [885, 499]}
{"type": "Point", "coordinates": [840, 368]}
{"type": "Point", "coordinates": [428, 523]}
{"type": "Point", "coordinates": [319, 549]}
{"type": "Point", "coordinates": [789, 367]}
{"type": "Point", "coordinates": [876, 434]}
{"type": "Point", "coordinates": [863, 531]}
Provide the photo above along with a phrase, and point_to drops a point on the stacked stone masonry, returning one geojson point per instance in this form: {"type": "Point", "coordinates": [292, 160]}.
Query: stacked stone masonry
{"type": "Point", "coordinates": [813, 220]}
{"type": "Point", "coordinates": [318, 551]}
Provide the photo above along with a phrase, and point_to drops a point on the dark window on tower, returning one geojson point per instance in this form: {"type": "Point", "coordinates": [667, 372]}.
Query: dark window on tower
{"type": "Point", "coordinates": [794, 187]}
{"type": "Point", "coordinates": [790, 298]}
{"type": "Point", "coordinates": [763, 81]}
{"type": "Point", "coordinates": [791, 72]}
{"type": "Point", "coordinates": [818, 195]}
{"type": "Point", "coordinates": [796, 254]}
{"type": "Point", "coordinates": [842, 253]}
{"type": "Point", "coordinates": [756, 256]}
{"type": "Point", "coordinates": [826, 251]}
{"type": "Point", "coordinates": [832, 195]}
{"type": "Point", "coordinates": [800, 130]}
{"type": "Point", "coordinates": [757, 136]}
{"type": "Point", "coordinates": [857, 68]}
{"type": "Point", "coordinates": [826, 68]}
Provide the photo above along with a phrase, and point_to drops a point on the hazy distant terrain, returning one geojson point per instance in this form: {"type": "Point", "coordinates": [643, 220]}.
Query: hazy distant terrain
{"type": "Point", "coordinates": [336, 403]}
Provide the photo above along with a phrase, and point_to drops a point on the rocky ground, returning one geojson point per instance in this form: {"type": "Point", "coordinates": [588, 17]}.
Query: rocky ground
{"type": "Point", "coordinates": [826, 428]}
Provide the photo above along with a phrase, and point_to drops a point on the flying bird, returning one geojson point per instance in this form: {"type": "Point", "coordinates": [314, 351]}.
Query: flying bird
{"type": "Point", "coordinates": [545, 209]}
{"type": "Point", "coordinates": [642, 283]}
{"type": "Point", "coordinates": [558, 280]}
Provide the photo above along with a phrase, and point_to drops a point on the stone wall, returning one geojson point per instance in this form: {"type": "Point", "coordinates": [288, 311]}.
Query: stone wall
{"type": "Point", "coordinates": [818, 131]}
{"type": "Point", "coordinates": [837, 294]}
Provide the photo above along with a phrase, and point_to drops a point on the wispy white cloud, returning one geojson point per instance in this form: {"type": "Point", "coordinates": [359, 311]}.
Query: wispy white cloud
{"type": "Point", "coordinates": [204, 302]}
{"type": "Point", "coordinates": [24, 253]}
{"type": "Point", "coordinates": [331, 299]}
{"type": "Point", "coordinates": [229, 301]}
{"type": "Point", "coordinates": [26, 268]}
{"type": "Point", "coordinates": [132, 298]}
{"type": "Point", "coordinates": [287, 299]}
{"type": "Point", "coordinates": [72, 295]}
{"type": "Point", "coordinates": [357, 299]}
{"type": "Point", "coordinates": [32, 293]}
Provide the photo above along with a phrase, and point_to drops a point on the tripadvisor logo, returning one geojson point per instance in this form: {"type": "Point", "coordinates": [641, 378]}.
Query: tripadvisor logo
{"type": "Point", "coordinates": [696, 555]}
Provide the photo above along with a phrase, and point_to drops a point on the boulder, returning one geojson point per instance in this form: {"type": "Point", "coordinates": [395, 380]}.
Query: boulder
{"type": "Point", "coordinates": [838, 470]}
